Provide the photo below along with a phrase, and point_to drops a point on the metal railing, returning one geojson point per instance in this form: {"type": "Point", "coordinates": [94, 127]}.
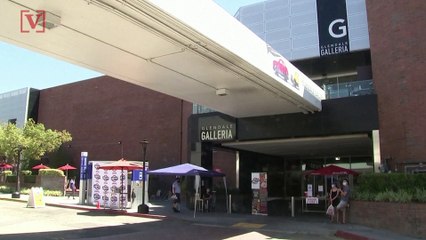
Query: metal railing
{"type": "Point", "coordinates": [348, 89]}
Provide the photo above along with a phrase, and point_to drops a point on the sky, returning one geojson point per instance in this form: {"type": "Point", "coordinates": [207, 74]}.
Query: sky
{"type": "Point", "coordinates": [20, 68]}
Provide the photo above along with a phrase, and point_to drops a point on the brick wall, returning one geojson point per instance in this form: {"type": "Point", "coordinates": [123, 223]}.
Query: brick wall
{"type": "Point", "coordinates": [102, 111]}
{"type": "Point", "coordinates": [398, 50]}
{"type": "Point", "coordinates": [408, 219]}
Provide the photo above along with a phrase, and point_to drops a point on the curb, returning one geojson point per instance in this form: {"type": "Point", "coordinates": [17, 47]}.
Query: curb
{"type": "Point", "coordinates": [350, 236]}
{"type": "Point", "coordinates": [109, 211]}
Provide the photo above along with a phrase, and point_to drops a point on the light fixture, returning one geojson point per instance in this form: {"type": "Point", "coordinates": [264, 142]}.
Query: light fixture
{"type": "Point", "coordinates": [143, 208]}
{"type": "Point", "coordinates": [337, 158]}
{"type": "Point", "coordinates": [50, 21]}
{"type": "Point", "coordinates": [222, 92]}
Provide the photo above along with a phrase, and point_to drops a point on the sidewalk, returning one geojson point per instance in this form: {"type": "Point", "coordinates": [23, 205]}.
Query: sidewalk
{"type": "Point", "coordinates": [316, 224]}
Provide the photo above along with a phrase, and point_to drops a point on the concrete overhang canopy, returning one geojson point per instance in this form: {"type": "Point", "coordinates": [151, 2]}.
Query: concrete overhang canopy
{"type": "Point", "coordinates": [341, 145]}
{"type": "Point", "coordinates": [190, 49]}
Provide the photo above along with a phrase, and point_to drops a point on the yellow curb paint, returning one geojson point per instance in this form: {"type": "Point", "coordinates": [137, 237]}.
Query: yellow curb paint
{"type": "Point", "coordinates": [248, 225]}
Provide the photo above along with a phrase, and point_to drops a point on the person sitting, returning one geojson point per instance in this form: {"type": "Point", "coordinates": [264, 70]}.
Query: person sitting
{"type": "Point", "coordinates": [207, 197]}
{"type": "Point", "coordinates": [176, 195]}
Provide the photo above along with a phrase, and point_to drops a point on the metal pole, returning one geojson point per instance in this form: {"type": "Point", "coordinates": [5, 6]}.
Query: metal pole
{"type": "Point", "coordinates": [292, 206]}
{"type": "Point", "coordinates": [17, 193]}
{"type": "Point", "coordinates": [143, 208]}
{"type": "Point", "coordinates": [83, 177]}
{"type": "Point", "coordinates": [230, 204]}
{"type": "Point", "coordinates": [143, 178]}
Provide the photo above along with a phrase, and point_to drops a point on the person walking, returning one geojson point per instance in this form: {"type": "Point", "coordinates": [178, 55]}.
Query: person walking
{"type": "Point", "coordinates": [133, 195]}
{"type": "Point", "coordinates": [344, 201]}
{"type": "Point", "coordinates": [72, 187]}
{"type": "Point", "coordinates": [176, 195]}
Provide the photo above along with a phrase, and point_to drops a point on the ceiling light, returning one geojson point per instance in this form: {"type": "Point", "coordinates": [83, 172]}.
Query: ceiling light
{"type": "Point", "coordinates": [222, 92]}
{"type": "Point", "coordinates": [50, 21]}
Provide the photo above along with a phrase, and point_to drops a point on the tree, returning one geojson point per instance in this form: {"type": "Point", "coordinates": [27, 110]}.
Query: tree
{"type": "Point", "coordinates": [11, 139]}
{"type": "Point", "coordinates": [41, 140]}
{"type": "Point", "coordinates": [30, 142]}
{"type": "Point", "coordinates": [34, 140]}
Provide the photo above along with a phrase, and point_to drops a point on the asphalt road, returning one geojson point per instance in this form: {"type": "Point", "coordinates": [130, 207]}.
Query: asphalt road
{"type": "Point", "coordinates": [19, 222]}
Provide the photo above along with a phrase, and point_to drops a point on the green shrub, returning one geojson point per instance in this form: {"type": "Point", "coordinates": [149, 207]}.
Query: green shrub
{"type": "Point", "coordinates": [7, 173]}
{"type": "Point", "coordinates": [5, 189]}
{"type": "Point", "coordinates": [51, 172]}
{"type": "Point", "coordinates": [391, 196]}
{"type": "Point", "coordinates": [420, 195]}
{"type": "Point", "coordinates": [25, 191]}
{"type": "Point", "coordinates": [26, 172]}
{"type": "Point", "coordinates": [46, 192]}
{"type": "Point", "coordinates": [364, 196]}
{"type": "Point", "coordinates": [394, 187]}
{"type": "Point", "coordinates": [53, 193]}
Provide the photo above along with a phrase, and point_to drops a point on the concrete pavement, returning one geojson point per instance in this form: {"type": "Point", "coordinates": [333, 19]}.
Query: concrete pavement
{"type": "Point", "coordinates": [307, 224]}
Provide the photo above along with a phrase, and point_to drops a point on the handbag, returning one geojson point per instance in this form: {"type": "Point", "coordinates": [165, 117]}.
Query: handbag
{"type": "Point", "coordinates": [173, 197]}
{"type": "Point", "coordinates": [330, 210]}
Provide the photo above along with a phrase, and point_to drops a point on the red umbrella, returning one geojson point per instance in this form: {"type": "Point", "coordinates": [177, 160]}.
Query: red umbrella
{"type": "Point", "coordinates": [40, 166]}
{"type": "Point", "coordinates": [333, 170]}
{"type": "Point", "coordinates": [5, 166]}
{"type": "Point", "coordinates": [121, 165]}
{"type": "Point", "coordinates": [67, 167]}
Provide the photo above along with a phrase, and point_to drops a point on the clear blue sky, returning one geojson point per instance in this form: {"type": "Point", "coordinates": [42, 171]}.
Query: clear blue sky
{"type": "Point", "coordinates": [20, 68]}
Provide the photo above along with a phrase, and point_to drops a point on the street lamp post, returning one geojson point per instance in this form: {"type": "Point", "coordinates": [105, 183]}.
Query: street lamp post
{"type": "Point", "coordinates": [143, 208]}
{"type": "Point", "coordinates": [17, 193]}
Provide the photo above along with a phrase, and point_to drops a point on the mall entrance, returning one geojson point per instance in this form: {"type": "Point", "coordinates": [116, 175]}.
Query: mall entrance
{"type": "Point", "coordinates": [285, 146]}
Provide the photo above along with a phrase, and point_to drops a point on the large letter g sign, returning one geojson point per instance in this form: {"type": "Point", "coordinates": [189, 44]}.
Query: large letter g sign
{"type": "Point", "coordinates": [342, 28]}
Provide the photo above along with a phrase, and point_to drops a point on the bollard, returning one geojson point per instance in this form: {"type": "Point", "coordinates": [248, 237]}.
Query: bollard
{"type": "Point", "coordinates": [292, 206]}
{"type": "Point", "coordinates": [230, 204]}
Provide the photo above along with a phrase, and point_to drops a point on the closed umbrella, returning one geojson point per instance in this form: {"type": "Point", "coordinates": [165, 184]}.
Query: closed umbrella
{"type": "Point", "coordinates": [67, 167]}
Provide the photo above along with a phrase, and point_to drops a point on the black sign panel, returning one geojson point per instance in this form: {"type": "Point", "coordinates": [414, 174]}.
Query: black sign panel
{"type": "Point", "coordinates": [332, 27]}
{"type": "Point", "coordinates": [217, 129]}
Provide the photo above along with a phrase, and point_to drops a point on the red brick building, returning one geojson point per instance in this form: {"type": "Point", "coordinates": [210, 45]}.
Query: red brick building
{"type": "Point", "coordinates": [103, 112]}
{"type": "Point", "coordinates": [398, 53]}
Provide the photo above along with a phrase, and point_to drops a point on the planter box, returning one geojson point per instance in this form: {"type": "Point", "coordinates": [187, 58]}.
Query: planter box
{"type": "Point", "coordinates": [404, 218]}
{"type": "Point", "coordinates": [51, 182]}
